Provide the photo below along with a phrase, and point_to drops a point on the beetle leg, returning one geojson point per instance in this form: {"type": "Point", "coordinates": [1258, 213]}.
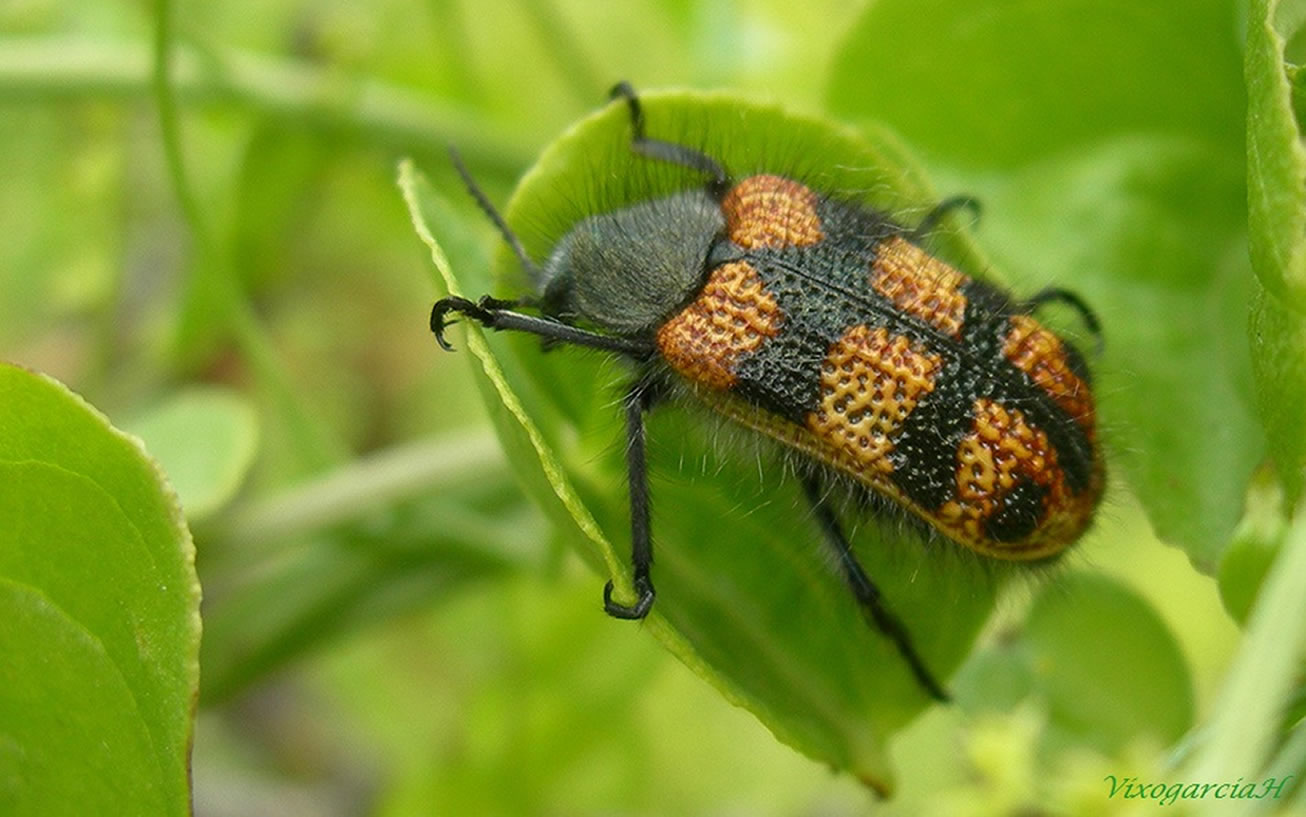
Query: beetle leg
{"type": "Point", "coordinates": [639, 399]}
{"type": "Point", "coordinates": [667, 151]}
{"type": "Point", "coordinates": [1070, 299]}
{"type": "Point", "coordinates": [942, 210]}
{"type": "Point", "coordinates": [494, 313]}
{"type": "Point", "coordinates": [868, 596]}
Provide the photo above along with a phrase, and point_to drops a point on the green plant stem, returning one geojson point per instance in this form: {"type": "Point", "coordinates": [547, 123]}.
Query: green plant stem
{"type": "Point", "coordinates": [561, 44]}
{"type": "Point", "coordinates": [378, 481]}
{"type": "Point", "coordinates": [47, 69]}
{"type": "Point", "coordinates": [211, 272]}
{"type": "Point", "coordinates": [170, 127]}
{"type": "Point", "coordinates": [1245, 725]}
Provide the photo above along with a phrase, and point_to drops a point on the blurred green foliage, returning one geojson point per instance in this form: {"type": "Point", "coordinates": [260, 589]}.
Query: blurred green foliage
{"type": "Point", "coordinates": [213, 251]}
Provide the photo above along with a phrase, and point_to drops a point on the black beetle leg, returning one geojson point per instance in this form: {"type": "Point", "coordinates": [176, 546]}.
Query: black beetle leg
{"type": "Point", "coordinates": [639, 399]}
{"type": "Point", "coordinates": [1070, 299]}
{"type": "Point", "coordinates": [484, 311]}
{"type": "Point", "coordinates": [670, 152]}
{"type": "Point", "coordinates": [494, 313]}
{"type": "Point", "coordinates": [867, 594]}
{"type": "Point", "coordinates": [941, 211]}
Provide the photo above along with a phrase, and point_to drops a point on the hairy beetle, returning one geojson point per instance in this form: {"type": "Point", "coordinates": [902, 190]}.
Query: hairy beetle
{"type": "Point", "coordinates": [822, 324]}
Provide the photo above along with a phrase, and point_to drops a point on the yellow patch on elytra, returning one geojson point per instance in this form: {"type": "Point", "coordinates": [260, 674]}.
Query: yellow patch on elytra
{"type": "Point", "coordinates": [870, 383]}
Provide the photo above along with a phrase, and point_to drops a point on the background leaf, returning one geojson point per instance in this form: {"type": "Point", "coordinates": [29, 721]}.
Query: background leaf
{"type": "Point", "coordinates": [1107, 691]}
{"type": "Point", "coordinates": [1096, 658]}
{"type": "Point", "coordinates": [1276, 179]}
{"type": "Point", "coordinates": [1009, 83]}
{"type": "Point", "coordinates": [1276, 160]}
{"type": "Point", "coordinates": [1253, 549]}
{"type": "Point", "coordinates": [205, 439]}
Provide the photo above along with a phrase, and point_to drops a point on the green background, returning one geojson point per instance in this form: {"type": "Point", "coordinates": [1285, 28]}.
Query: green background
{"type": "Point", "coordinates": [213, 250]}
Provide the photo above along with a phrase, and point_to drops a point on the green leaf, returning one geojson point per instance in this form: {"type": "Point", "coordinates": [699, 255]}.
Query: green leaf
{"type": "Point", "coordinates": [101, 611]}
{"type": "Point", "coordinates": [1096, 657]}
{"type": "Point", "coordinates": [1278, 339]}
{"type": "Point", "coordinates": [1107, 665]}
{"type": "Point", "coordinates": [996, 678]}
{"type": "Point", "coordinates": [72, 739]}
{"type": "Point", "coordinates": [1253, 549]}
{"type": "Point", "coordinates": [1012, 81]}
{"type": "Point", "coordinates": [1276, 159]}
{"type": "Point", "coordinates": [746, 597]}
{"type": "Point", "coordinates": [1276, 180]}
{"type": "Point", "coordinates": [206, 439]}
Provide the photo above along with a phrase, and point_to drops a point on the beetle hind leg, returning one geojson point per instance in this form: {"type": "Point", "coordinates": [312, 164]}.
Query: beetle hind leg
{"type": "Point", "coordinates": [1070, 299]}
{"type": "Point", "coordinates": [869, 598]}
{"type": "Point", "coordinates": [941, 211]}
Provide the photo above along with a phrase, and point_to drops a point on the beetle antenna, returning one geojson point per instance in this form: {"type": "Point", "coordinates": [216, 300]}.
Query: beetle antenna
{"type": "Point", "coordinates": [667, 151]}
{"type": "Point", "coordinates": [484, 202]}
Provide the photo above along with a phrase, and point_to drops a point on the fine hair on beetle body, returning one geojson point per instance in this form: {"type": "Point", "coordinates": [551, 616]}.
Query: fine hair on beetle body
{"type": "Point", "coordinates": [890, 379]}
{"type": "Point", "coordinates": [630, 179]}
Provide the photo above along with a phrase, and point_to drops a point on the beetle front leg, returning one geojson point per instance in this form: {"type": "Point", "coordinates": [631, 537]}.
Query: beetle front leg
{"type": "Point", "coordinates": [498, 314]}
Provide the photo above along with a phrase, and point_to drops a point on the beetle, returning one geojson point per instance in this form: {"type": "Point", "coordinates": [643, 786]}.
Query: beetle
{"type": "Point", "coordinates": [823, 324]}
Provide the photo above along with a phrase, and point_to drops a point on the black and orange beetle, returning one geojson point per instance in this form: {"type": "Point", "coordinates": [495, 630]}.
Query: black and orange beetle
{"type": "Point", "coordinates": [821, 323]}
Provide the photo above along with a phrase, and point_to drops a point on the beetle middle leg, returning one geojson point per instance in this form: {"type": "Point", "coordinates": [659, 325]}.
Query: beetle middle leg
{"type": "Point", "coordinates": [670, 152]}
{"type": "Point", "coordinates": [640, 397]}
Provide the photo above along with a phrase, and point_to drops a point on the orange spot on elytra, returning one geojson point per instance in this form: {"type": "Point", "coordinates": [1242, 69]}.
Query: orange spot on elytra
{"type": "Point", "coordinates": [772, 212]}
{"type": "Point", "coordinates": [733, 315]}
